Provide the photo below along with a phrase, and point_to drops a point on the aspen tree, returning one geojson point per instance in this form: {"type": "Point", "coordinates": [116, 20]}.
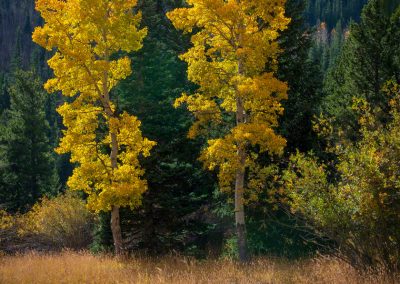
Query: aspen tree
{"type": "Point", "coordinates": [88, 36]}
{"type": "Point", "coordinates": [234, 42]}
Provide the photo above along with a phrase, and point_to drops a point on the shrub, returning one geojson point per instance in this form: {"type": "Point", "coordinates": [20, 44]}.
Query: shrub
{"type": "Point", "coordinates": [8, 229]}
{"type": "Point", "coordinates": [11, 238]}
{"type": "Point", "coordinates": [51, 224]}
{"type": "Point", "coordinates": [62, 222]}
{"type": "Point", "coordinates": [360, 209]}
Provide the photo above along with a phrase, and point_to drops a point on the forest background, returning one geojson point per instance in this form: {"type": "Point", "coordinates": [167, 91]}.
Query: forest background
{"type": "Point", "coordinates": [333, 190]}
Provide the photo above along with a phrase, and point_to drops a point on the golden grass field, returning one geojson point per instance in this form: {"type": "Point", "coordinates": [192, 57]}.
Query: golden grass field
{"type": "Point", "coordinates": [70, 267]}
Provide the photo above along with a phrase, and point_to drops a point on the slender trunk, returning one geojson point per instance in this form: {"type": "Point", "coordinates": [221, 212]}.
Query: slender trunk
{"type": "Point", "coordinates": [239, 208]}
{"type": "Point", "coordinates": [115, 220]}
{"type": "Point", "coordinates": [116, 231]}
{"type": "Point", "coordinates": [239, 183]}
{"type": "Point", "coordinates": [240, 173]}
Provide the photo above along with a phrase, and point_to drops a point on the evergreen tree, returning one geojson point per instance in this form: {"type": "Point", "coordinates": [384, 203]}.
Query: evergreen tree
{"type": "Point", "coordinates": [17, 56]}
{"type": "Point", "coordinates": [336, 43]}
{"type": "Point", "coordinates": [272, 229]}
{"type": "Point", "coordinates": [392, 39]}
{"type": "Point", "coordinates": [4, 97]}
{"type": "Point", "coordinates": [320, 49]}
{"type": "Point", "coordinates": [27, 164]}
{"type": "Point", "coordinates": [303, 77]}
{"type": "Point", "coordinates": [369, 58]}
{"type": "Point", "coordinates": [171, 216]}
{"type": "Point", "coordinates": [331, 11]}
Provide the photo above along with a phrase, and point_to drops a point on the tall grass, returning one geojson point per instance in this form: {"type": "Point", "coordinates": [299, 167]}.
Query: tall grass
{"type": "Point", "coordinates": [70, 267]}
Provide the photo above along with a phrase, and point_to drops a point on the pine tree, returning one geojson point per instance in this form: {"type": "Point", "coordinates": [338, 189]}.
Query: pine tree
{"type": "Point", "coordinates": [27, 161]}
{"type": "Point", "coordinates": [331, 11]}
{"type": "Point", "coordinates": [271, 227]}
{"type": "Point", "coordinates": [303, 78]}
{"type": "Point", "coordinates": [368, 59]}
{"type": "Point", "coordinates": [171, 213]}
{"type": "Point", "coordinates": [336, 43]}
{"type": "Point", "coordinates": [4, 97]}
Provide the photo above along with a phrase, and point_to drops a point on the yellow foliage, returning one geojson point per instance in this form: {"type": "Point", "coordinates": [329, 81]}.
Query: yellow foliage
{"type": "Point", "coordinates": [6, 220]}
{"type": "Point", "coordinates": [59, 222]}
{"type": "Point", "coordinates": [62, 221]}
{"type": "Point", "coordinates": [233, 44]}
{"type": "Point", "coordinates": [86, 35]}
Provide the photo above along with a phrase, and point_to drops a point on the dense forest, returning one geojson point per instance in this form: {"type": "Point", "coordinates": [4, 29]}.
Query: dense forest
{"type": "Point", "coordinates": [212, 129]}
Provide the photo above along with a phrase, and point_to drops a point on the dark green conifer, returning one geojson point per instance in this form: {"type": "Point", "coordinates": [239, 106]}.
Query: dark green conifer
{"type": "Point", "coordinates": [27, 169]}
{"type": "Point", "coordinates": [368, 60]}
{"type": "Point", "coordinates": [171, 215]}
{"type": "Point", "coordinates": [303, 77]}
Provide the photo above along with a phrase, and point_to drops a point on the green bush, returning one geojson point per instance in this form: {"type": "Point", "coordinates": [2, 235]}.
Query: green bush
{"type": "Point", "coordinates": [230, 249]}
{"type": "Point", "coordinates": [356, 201]}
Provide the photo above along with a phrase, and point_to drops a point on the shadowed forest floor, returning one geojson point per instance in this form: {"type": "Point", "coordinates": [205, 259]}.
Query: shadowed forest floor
{"type": "Point", "coordinates": [69, 267]}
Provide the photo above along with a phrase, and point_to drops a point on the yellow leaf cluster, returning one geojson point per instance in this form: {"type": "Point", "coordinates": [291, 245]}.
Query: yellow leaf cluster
{"type": "Point", "coordinates": [233, 43]}
{"type": "Point", "coordinates": [6, 220]}
{"type": "Point", "coordinates": [87, 35]}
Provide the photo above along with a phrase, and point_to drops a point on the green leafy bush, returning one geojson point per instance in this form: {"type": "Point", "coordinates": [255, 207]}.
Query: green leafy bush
{"type": "Point", "coordinates": [356, 201]}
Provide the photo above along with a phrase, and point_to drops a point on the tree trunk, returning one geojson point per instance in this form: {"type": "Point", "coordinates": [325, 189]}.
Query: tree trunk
{"type": "Point", "coordinates": [239, 208]}
{"type": "Point", "coordinates": [239, 189]}
{"type": "Point", "coordinates": [115, 220]}
{"type": "Point", "coordinates": [241, 118]}
{"type": "Point", "coordinates": [116, 230]}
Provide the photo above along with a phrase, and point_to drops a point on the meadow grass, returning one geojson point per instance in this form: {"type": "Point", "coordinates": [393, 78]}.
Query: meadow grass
{"type": "Point", "coordinates": [72, 267]}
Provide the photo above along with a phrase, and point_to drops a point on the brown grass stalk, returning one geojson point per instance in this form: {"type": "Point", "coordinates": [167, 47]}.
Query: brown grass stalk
{"type": "Point", "coordinates": [72, 267]}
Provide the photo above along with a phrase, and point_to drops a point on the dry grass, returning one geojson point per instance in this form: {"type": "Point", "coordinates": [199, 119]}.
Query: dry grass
{"type": "Point", "coordinates": [69, 267]}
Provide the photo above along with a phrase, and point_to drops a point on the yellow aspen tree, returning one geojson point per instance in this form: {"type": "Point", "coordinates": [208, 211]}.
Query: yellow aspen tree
{"type": "Point", "coordinates": [88, 37]}
{"type": "Point", "coordinates": [234, 42]}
